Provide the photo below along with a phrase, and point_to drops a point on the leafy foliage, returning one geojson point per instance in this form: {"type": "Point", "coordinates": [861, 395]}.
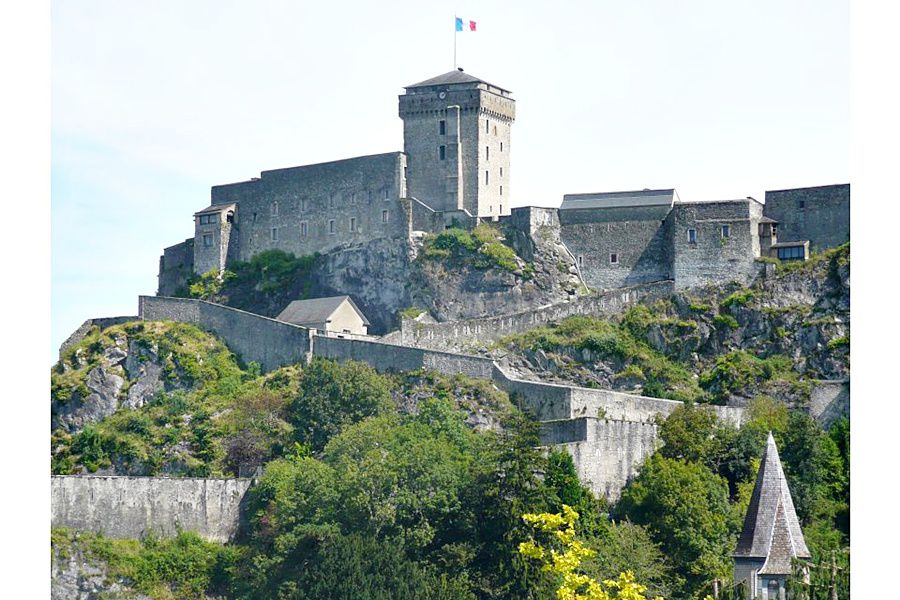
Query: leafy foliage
{"type": "Point", "coordinates": [563, 554]}
{"type": "Point", "coordinates": [482, 248]}
{"type": "Point", "coordinates": [183, 567]}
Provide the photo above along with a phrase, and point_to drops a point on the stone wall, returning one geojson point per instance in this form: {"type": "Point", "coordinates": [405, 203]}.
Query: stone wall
{"type": "Point", "coordinates": [390, 358]}
{"type": "Point", "coordinates": [129, 507]}
{"type": "Point", "coordinates": [176, 265]}
{"type": "Point", "coordinates": [607, 454]}
{"type": "Point", "coordinates": [714, 258]}
{"type": "Point", "coordinates": [252, 337]}
{"type": "Point", "coordinates": [818, 214]}
{"type": "Point", "coordinates": [636, 235]}
{"type": "Point", "coordinates": [315, 208]}
{"type": "Point", "coordinates": [551, 401]}
{"type": "Point", "coordinates": [85, 328]}
{"type": "Point", "coordinates": [829, 401]}
{"type": "Point", "coordinates": [471, 332]}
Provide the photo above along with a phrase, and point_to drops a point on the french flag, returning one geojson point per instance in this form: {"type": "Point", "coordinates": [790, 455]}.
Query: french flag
{"type": "Point", "coordinates": [462, 26]}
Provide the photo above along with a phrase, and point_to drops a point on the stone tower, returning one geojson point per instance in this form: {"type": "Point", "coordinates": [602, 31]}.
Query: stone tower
{"type": "Point", "coordinates": [456, 135]}
{"type": "Point", "coordinates": [771, 536]}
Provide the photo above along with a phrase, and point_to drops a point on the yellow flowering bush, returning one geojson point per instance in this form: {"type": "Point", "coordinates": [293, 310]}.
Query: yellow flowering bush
{"type": "Point", "coordinates": [564, 555]}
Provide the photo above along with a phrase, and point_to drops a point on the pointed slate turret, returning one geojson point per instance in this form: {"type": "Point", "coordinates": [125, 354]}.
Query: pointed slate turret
{"type": "Point", "coordinates": [771, 536]}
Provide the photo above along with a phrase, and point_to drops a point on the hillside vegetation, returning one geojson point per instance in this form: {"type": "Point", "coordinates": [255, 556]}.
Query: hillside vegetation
{"type": "Point", "coordinates": [724, 344]}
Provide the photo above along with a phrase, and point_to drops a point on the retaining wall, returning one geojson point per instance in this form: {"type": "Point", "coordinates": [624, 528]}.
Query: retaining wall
{"type": "Point", "coordinates": [607, 454]}
{"type": "Point", "coordinates": [129, 507]}
{"type": "Point", "coordinates": [271, 343]}
{"type": "Point", "coordinates": [388, 357]}
{"type": "Point", "coordinates": [471, 331]}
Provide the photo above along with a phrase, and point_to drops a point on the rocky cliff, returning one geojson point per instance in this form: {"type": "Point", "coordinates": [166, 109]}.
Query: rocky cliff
{"type": "Point", "coordinates": [723, 344]}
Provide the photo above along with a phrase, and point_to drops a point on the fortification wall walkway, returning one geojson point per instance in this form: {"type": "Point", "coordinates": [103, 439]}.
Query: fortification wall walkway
{"type": "Point", "coordinates": [469, 332]}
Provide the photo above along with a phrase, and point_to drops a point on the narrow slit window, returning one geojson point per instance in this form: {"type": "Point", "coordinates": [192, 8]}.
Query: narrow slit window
{"type": "Point", "coordinates": [692, 236]}
{"type": "Point", "coordinates": [501, 190]}
{"type": "Point", "coordinates": [487, 177]}
{"type": "Point", "coordinates": [442, 127]}
{"type": "Point", "coordinates": [487, 126]}
{"type": "Point", "coordinates": [331, 226]}
{"type": "Point", "coordinates": [726, 231]}
{"type": "Point", "coordinates": [384, 216]}
{"type": "Point", "coordinates": [304, 229]}
{"type": "Point", "coordinates": [442, 152]}
{"type": "Point", "coordinates": [274, 234]}
{"type": "Point", "coordinates": [352, 223]}
{"type": "Point", "coordinates": [487, 153]}
{"type": "Point", "coordinates": [275, 209]}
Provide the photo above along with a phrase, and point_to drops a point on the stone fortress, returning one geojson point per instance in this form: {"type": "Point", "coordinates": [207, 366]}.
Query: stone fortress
{"type": "Point", "coordinates": [455, 170]}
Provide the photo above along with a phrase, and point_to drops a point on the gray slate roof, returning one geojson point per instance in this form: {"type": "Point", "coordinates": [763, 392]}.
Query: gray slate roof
{"type": "Point", "coordinates": [316, 310]}
{"type": "Point", "coordinates": [618, 199]}
{"type": "Point", "coordinates": [771, 528]}
{"type": "Point", "coordinates": [450, 78]}
{"type": "Point", "coordinates": [215, 208]}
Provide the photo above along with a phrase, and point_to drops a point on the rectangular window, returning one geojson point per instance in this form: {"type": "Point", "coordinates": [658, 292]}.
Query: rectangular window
{"type": "Point", "coordinates": [580, 261]}
{"type": "Point", "coordinates": [487, 153]}
{"type": "Point", "coordinates": [487, 177]}
{"type": "Point", "coordinates": [352, 223]}
{"type": "Point", "coordinates": [384, 216]}
{"type": "Point", "coordinates": [387, 193]}
{"type": "Point", "coordinates": [443, 127]}
{"type": "Point", "coordinates": [303, 204]}
{"type": "Point", "coordinates": [207, 239]}
{"type": "Point", "coordinates": [613, 258]}
{"type": "Point", "coordinates": [208, 219]}
{"type": "Point", "coordinates": [274, 208]}
{"type": "Point", "coordinates": [802, 204]}
{"type": "Point", "coordinates": [791, 253]}
{"type": "Point", "coordinates": [274, 234]}
{"type": "Point", "coordinates": [304, 228]}
{"type": "Point", "coordinates": [442, 152]}
{"type": "Point", "coordinates": [331, 226]}
{"type": "Point", "coordinates": [726, 231]}
{"type": "Point", "coordinates": [692, 236]}
{"type": "Point", "coordinates": [487, 126]}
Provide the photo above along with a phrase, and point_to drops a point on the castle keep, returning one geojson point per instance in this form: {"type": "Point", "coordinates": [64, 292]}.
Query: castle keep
{"type": "Point", "coordinates": [454, 170]}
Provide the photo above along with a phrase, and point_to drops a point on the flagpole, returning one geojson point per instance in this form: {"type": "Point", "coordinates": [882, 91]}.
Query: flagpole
{"type": "Point", "coordinates": [455, 34]}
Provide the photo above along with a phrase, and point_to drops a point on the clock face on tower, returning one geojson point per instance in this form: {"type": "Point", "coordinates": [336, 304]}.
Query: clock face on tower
{"type": "Point", "coordinates": [442, 95]}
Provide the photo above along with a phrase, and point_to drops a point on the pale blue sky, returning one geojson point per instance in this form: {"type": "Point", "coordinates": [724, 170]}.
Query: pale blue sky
{"type": "Point", "coordinates": [152, 103]}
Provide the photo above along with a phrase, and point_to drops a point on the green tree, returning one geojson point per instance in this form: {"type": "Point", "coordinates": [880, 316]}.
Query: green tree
{"type": "Point", "coordinates": [332, 396]}
{"type": "Point", "coordinates": [686, 509]}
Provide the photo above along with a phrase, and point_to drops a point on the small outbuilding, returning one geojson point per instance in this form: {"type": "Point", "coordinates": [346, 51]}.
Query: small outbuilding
{"type": "Point", "coordinates": [338, 314]}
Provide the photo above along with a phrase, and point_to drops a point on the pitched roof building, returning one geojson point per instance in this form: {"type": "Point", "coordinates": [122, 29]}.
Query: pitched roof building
{"type": "Point", "coordinates": [771, 536]}
{"type": "Point", "coordinates": [337, 313]}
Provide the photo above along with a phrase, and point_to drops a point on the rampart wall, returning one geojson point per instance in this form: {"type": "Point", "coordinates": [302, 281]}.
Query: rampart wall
{"type": "Point", "coordinates": [607, 453]}
{"type": "Point", "coordinates": [252, 337]}
{"type": "Point", "coordinates": [478, 331]}
{"type": "Point", "coordinates": [129, 507]}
